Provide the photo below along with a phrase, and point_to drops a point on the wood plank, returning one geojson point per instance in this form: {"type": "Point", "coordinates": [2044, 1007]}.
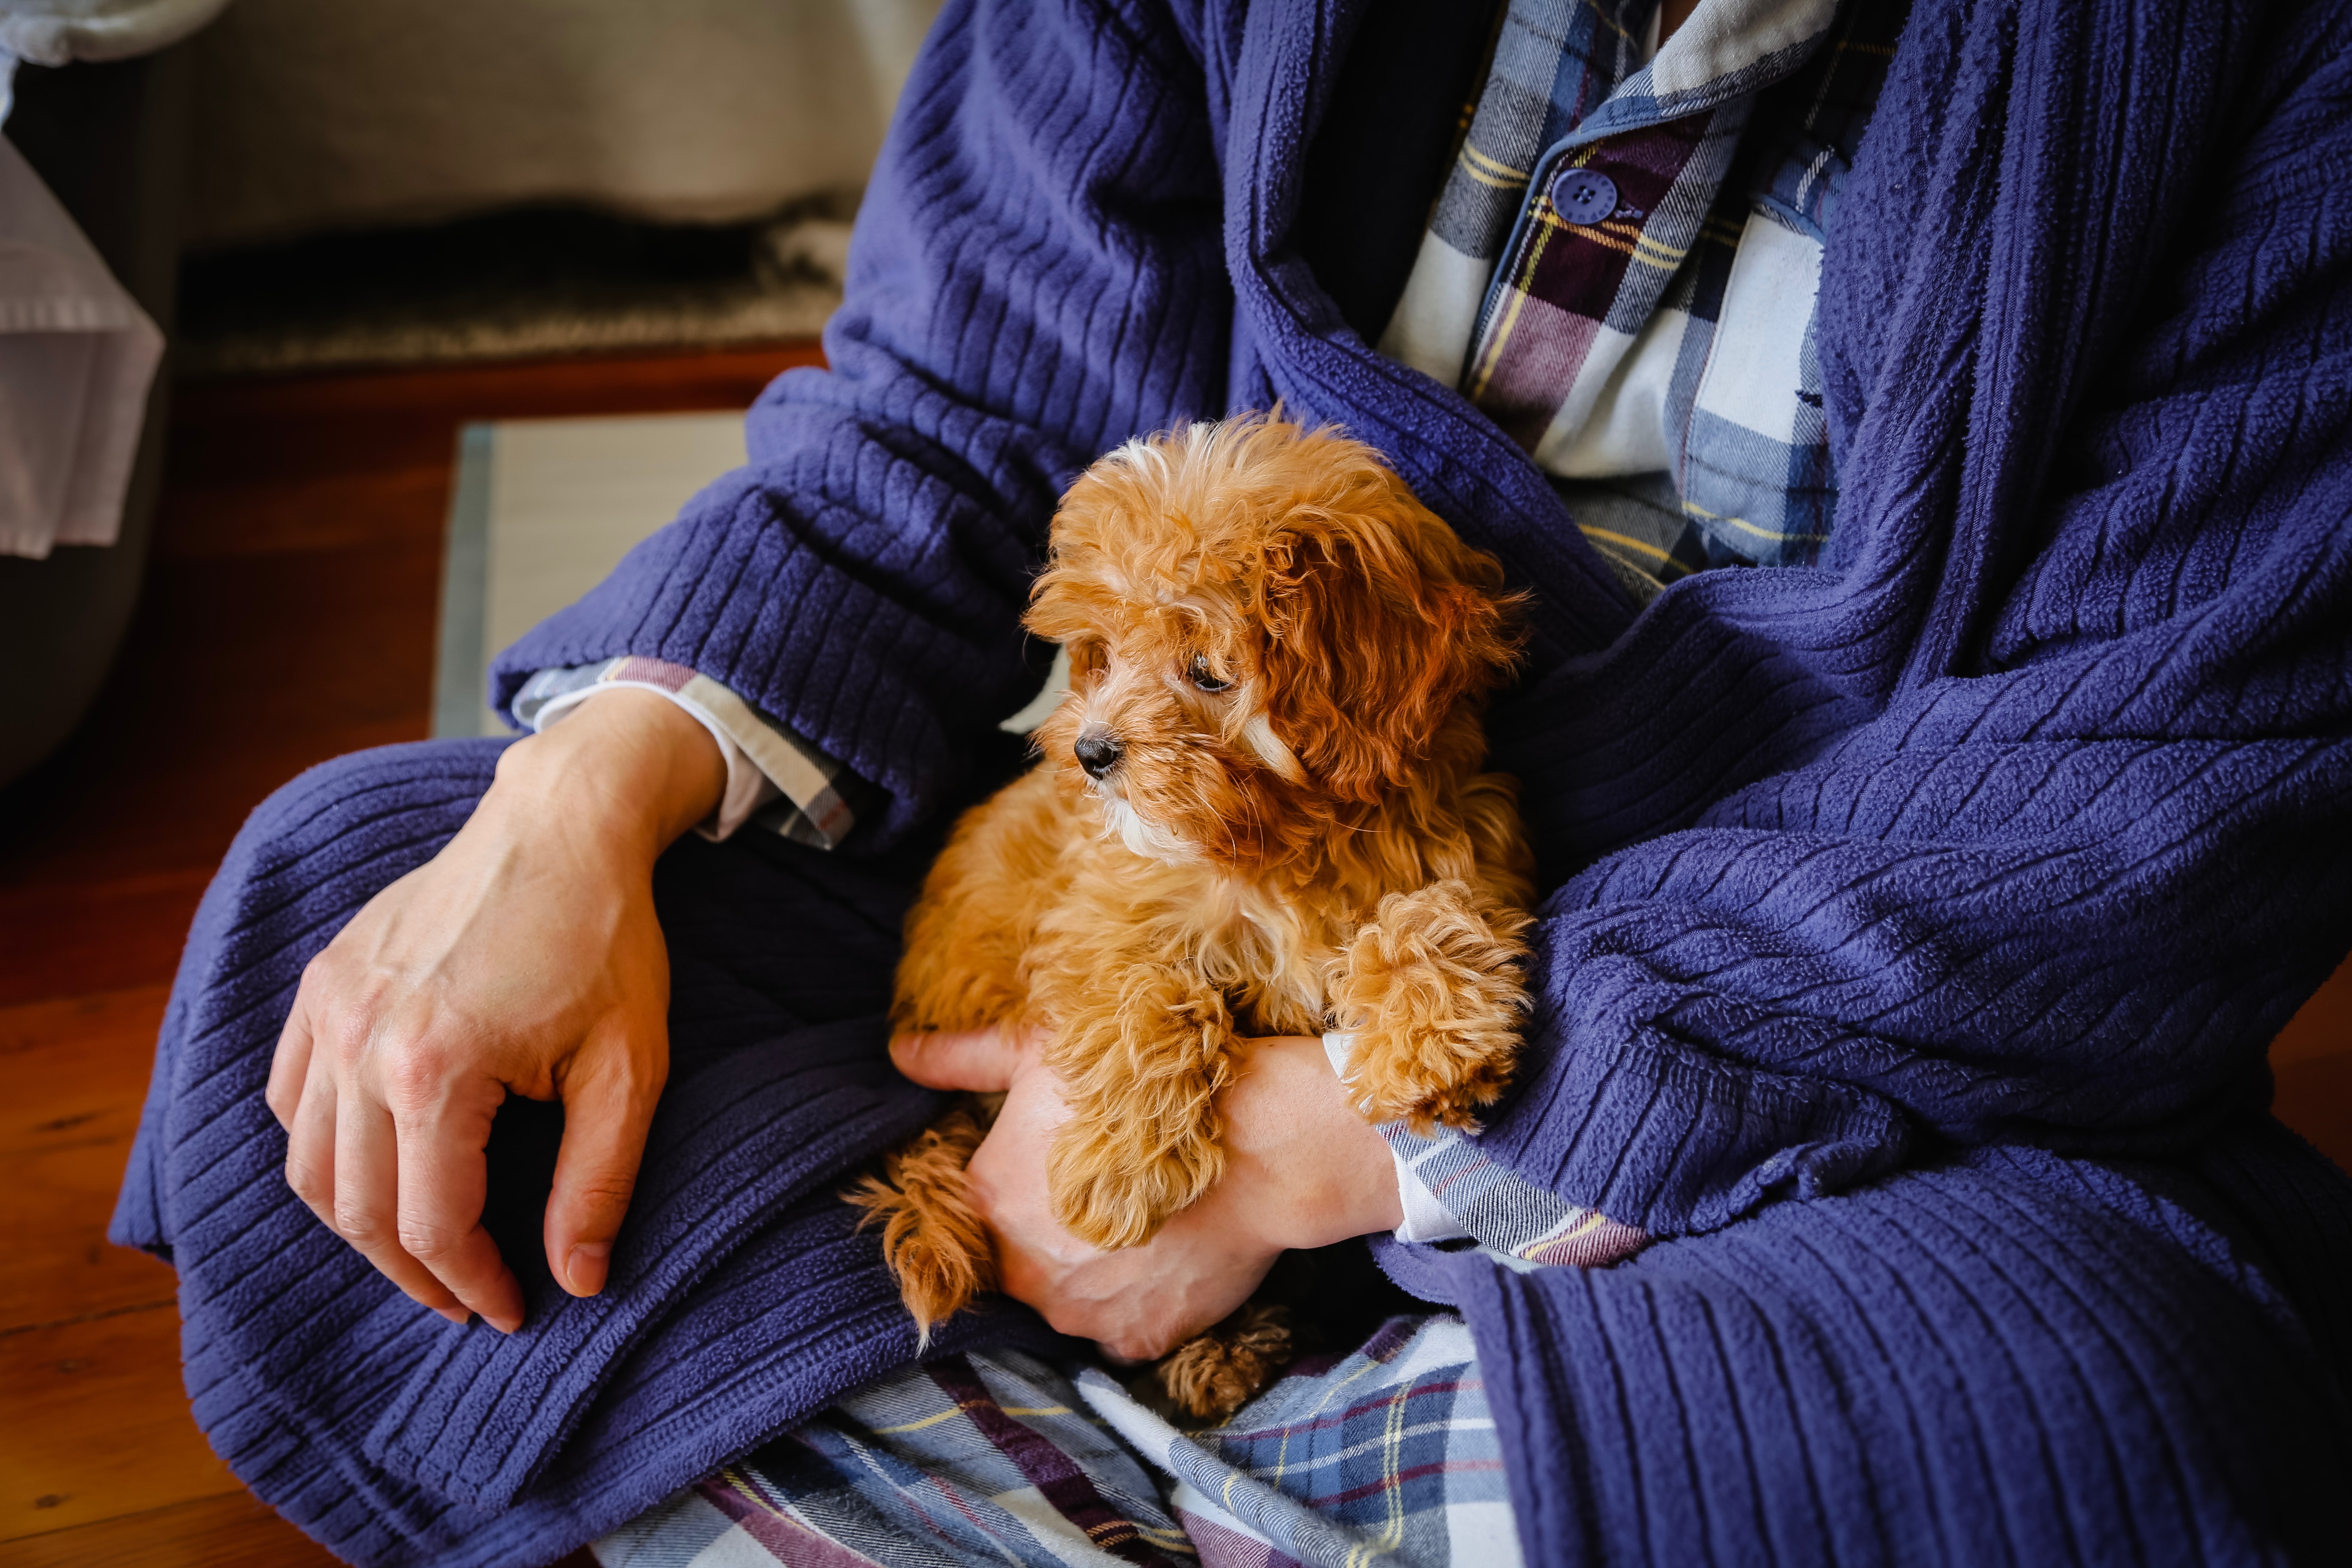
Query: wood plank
{"type": "Point", "coordinates": [98, 1425]}
{"type": "Point", "coordinates": [62, 1267]}
{"type": "Point", "coordinates": [2322, 1028]}
{"type": "Point", "coordinates": [514, 389]}
{"type": "Point", "coordinates": [233, 1529]}
{"type": "Point", "coordinates": [258, 508]}
{"type": "Point", "coordinates": [64, 937]}
{"type": "Point", "coordinates": [77, 1073]}
{"type": "Point", "coordinates": [320, 462]}
{"type": "Point", "coordinates": [2314, 1096]}
{"type": "Point", "coordinates": [67, 1058]}
{"type": "Point", "coordinates": [241, 675]}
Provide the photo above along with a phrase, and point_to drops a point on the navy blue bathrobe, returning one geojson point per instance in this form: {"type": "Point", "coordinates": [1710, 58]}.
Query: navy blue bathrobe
{"type": "Point", "coordinates": [1914, 927]}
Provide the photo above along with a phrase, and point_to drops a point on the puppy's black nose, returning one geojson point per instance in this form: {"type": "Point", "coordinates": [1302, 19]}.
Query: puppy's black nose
{"type": "Point", "coordinates": [1098, 755]}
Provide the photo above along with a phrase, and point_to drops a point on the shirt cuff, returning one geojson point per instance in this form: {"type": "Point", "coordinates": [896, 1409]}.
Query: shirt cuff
{"type": "Point", "coordinates": [775, 780]}
{"type": "Point", "coordinates": [1448, 1188]}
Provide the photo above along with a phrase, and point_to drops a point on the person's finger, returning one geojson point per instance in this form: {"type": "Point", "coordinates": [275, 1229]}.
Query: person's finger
{"type": "Point", "coordinates": [608, 1105]}
{"type": "Point", "coordinates": [310, 1141]}
{"type": "Point", "coordinates": [442, 1126]}
{"type": "Point", "coordinates": [291, 1063]}
{"type": "Point", "coordinates": [366, 1206]}
{"type": "Point", "coordinates": [984, 1061]}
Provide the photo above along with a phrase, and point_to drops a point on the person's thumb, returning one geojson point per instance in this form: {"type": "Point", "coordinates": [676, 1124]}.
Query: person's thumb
{"type": "Point", "coordinates": [607, 1108]}
{"type": "Point", "coordinates": [983, 1061]}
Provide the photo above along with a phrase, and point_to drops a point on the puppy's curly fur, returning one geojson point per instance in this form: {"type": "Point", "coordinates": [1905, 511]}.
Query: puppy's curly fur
{"type": "Point", "coordinates": [1260, 810]}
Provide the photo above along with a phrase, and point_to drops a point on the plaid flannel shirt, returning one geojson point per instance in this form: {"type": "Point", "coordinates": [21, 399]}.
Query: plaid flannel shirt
{"type": "Point", "coordinates": [1642, 237]}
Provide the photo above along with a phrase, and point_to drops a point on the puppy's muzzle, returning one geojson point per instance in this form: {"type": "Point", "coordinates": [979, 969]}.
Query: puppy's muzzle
{"type": "Point", "coordinates": [1098, 751]}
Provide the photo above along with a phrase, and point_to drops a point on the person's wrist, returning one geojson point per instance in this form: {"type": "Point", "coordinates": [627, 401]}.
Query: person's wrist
{"type": "Point", "coordinates": [629, 767]}
{"type": "Point", "coordinates": [1360, 1196]}
{"type": "Point", "coordinates": [1325, 1172]}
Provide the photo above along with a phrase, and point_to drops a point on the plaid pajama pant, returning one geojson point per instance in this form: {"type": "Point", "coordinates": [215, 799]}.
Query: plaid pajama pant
{"type": "Point", "coordinates": [1387, 1452]}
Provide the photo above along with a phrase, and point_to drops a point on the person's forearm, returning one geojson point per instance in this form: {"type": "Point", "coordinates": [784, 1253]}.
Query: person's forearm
{"type": "Point", "coordinates": [630, 764]}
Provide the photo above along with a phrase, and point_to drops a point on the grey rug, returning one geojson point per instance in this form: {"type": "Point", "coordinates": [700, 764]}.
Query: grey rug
{"type": "Point", "coordinates": [511, 286]}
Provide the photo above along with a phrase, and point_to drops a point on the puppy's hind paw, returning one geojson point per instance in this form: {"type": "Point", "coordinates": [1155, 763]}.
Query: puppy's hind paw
{"type": "Point", "coordinates": [933, 1241]}
{"type": "Point", "coordinates": [1431, 989]}
{"type": "Point", "coordinates": [1211, 1377]}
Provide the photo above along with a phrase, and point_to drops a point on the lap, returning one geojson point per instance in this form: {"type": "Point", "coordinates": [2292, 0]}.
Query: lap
{"type": "Point", "coordinates": [2008, 1341]}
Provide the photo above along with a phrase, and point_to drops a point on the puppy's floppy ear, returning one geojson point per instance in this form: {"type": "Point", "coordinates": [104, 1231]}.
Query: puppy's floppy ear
{"type": "Point", "coordinates": [1380, 622]}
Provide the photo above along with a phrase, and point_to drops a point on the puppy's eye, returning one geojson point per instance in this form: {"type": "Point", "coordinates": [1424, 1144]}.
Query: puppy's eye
{"type": "Point", "coordinates": [1203, 677]}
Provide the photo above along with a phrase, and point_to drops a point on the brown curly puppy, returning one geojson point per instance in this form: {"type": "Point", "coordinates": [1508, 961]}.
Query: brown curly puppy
{"type": "Point", "coordinates": [1259, 811]}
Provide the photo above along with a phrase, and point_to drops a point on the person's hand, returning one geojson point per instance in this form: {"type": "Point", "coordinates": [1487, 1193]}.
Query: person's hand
{"type": "Point", "coordinates": [524, 958]}
{"type": "Point", "coordinates": [1302, 1170]}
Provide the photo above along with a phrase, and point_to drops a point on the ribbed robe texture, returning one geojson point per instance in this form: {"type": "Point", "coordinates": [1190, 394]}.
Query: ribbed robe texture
{"type": "Point", "coordinates": [1917, 922]}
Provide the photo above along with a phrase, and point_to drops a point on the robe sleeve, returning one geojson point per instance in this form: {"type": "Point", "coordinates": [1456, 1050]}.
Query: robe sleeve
{"type": "Point", "coordinates": [1036, 273]}
{"type": "Point", "coordinates": [2063, 892]}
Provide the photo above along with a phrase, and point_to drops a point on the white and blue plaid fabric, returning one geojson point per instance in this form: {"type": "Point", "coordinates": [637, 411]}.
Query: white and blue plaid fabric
{"type": "Point", "coordinates": [1388, 1453]}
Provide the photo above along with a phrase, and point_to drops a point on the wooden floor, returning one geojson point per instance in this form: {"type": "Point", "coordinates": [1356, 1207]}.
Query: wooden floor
{"type": "Point", "coordinates": [289, 619]}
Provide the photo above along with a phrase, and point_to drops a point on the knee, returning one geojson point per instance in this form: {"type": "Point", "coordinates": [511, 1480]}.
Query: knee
{"type": "Point", "coordinates": [368, 805]}
{"type": "Point", "coordinates": [322, 845]}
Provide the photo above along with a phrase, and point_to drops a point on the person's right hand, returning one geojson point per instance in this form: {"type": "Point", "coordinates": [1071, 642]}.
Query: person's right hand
{"type": "Point", "coordinates": [522, 959]}
{"type": "Point", "coordinates": [1303, 1169]}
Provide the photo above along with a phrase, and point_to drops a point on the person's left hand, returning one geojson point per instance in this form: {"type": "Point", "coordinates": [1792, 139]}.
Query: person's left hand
{"type": "Point", "coordinates": [1301, 1170]}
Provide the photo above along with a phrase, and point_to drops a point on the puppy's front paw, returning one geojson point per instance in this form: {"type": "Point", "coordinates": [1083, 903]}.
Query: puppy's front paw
{"type": "Point", "coordinates": [1115, 1183]}
{"type": "Point", "coordinates": [1431, 989]}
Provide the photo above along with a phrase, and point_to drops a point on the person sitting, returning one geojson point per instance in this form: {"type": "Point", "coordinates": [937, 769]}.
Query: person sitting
{"type": "Point", "coordinates": [1922, 434]}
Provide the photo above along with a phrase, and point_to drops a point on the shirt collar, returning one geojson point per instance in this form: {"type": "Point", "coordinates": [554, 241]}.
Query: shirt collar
{"type": "Point", "coordinates": [1727, 49]}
